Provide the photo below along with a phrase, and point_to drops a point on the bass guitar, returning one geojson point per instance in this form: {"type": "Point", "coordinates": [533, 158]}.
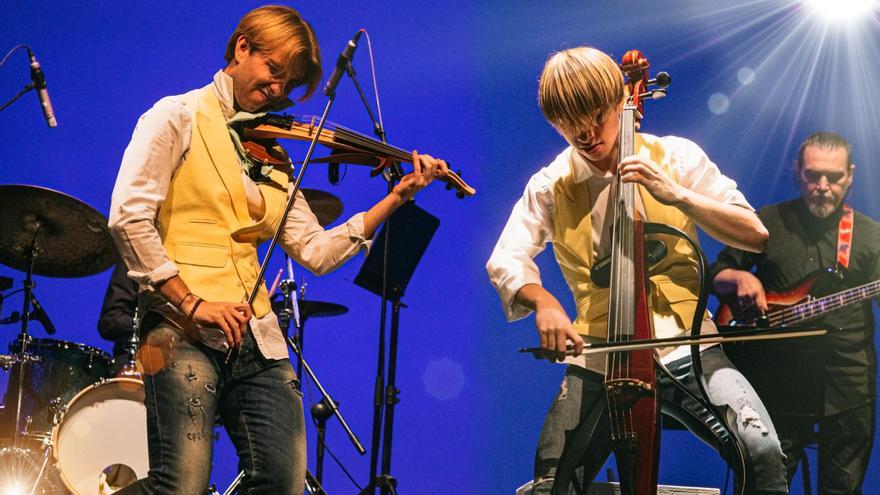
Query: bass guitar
{"type": "Point", "coordinates": [799, 304]}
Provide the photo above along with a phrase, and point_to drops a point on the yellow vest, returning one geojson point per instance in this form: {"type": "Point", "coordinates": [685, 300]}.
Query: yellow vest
{"type": "Point", "coordinates": [204, 222]}
{"type": "Point", "coordinates": [674, 284]}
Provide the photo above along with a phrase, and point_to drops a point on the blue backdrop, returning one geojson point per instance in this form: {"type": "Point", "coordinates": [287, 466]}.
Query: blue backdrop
{"type": "Point", "coordinates": [457, 80]}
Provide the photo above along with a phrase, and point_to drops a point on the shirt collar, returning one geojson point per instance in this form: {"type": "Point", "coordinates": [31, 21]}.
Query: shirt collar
{"type": "Point", "coordinates": [581, 169]}
{"type": "Point", "coordinates": [223, 90]}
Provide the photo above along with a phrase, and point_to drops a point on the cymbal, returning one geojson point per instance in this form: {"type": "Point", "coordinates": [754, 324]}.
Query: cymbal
{"type": "Point", "coordinates": [310, 309]}
{"type": "Point", "coordinates": [326, 206]}
{"type": "Point", "coordinates": [72, 239]}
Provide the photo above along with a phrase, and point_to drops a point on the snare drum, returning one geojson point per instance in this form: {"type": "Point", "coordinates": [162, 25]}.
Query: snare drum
{"type": "Point", "coordinates": [61, 370]}
{"type": "Point", "coordinates": [102, 436]}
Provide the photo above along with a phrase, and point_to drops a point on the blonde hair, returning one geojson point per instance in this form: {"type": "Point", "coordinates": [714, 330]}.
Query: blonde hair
{"type": "Point", "coordinates": [278, 28]}
{"type": "Point", "coordinates": [576, 85]}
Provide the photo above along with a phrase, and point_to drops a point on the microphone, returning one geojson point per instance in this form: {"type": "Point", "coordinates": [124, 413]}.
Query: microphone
{"type": "Point", "coordinates": [39, 81]}
{"type": "Point", "coordinates": [341, 64]}
{"type": "Point", "coordinates": [39, 314]}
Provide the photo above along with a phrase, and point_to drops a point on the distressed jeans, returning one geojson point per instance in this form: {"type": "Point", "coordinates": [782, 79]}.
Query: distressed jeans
{"type": "Point", "coordinates": [187, 385]}
{"type": "Point", "coordinates": [582, 390]}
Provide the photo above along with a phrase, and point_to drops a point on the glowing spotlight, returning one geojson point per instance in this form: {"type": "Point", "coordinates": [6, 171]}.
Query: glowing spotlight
{"type": "Point", "coordinates": [14, 488]}
{"type": "Point", "coordinates": [842, 11]}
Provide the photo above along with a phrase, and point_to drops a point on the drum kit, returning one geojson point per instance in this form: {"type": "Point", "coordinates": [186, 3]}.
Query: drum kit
{"type": "Point", "coordinates": [66, 424]}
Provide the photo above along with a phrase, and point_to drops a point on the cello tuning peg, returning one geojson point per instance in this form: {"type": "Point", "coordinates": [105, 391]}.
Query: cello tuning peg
{"type": "Point", "coordinates": [662, 79]}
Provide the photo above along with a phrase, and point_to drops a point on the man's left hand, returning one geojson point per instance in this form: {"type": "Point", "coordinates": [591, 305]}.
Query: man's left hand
{"type": "Point", "coordinates": [425, 169]}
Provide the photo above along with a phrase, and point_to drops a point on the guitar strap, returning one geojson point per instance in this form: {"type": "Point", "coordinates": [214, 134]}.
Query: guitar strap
{"type": "Point", "coordinates": [844, 236]}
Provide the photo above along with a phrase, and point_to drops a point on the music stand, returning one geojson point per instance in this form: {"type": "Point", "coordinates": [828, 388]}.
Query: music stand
{"type": "Point", "coordinates": [414, 228]}
{"type": "Point", "coordinates": [419, 227]}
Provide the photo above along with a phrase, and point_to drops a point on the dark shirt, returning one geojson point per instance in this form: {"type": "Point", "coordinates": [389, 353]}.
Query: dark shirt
{"type": "Point", "coordinates": [799, 245]}
{"type": "Point", "coordinates": [115, 323]}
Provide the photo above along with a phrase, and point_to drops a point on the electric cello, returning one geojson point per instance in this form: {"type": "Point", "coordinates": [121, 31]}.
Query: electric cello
{"type": "Point", "coordinates": [628, 423]}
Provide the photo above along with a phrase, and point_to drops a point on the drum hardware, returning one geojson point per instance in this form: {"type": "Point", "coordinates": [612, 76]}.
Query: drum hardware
{"type": "Point", "coordinates": [46, 232]}
{"type": "Point", "coordinates": [130, 369]}
{"type": "Point", "coordinates": [57, 410]}
{"type": "Point", "coordinates": [56, 371]}
{"type": "Point", "coordinates": [7, 360]}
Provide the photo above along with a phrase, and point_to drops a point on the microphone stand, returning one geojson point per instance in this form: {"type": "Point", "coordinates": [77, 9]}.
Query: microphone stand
{"type": "Point", "coordinates": [21, 93]}
{"type": "Point", "coordinates": [385, 395]}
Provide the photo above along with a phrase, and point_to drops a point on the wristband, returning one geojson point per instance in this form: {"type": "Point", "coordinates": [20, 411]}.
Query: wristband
{"type": "Point", "coordinates": [183, 299]}
{"type": "Point", "coordinates": [192, 312]}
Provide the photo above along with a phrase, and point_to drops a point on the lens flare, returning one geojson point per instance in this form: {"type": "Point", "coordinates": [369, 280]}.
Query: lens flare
{"type": "Point", "coordinates": [842, 11]}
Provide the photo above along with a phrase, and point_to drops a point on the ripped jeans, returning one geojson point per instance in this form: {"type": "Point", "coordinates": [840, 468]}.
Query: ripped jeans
{"type": "Point", "coordinates": [187, 385]}
{"type": "Point", "coordinates": [582, 389]}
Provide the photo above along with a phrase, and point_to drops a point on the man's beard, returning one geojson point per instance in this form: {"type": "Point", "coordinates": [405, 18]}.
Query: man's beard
{"type": "Point", "coordinates": [824, 207]}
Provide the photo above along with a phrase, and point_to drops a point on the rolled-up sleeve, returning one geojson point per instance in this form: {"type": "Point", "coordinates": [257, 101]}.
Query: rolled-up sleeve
{"type": "Point", "coordinates": [698, 173]}
{"type": "Point", "coordinates": [318, 250]}
{"type": "Point", "coordinates": [157, 147]}
{"type": "Point", "coordinates": [529, 228]}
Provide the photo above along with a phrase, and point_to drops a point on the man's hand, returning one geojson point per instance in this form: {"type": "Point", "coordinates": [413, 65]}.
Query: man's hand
{"type": "Point", "coordinates": [555, 331]}
{"type": "Point", "coordinates": [425, 169]}
{"type": "Point", "coordinates": [552, 323]}
{"type": "Point", "coordinates": [643, 171]}
{"type": "Point", "coordinates": [231, 318]}
{"type": "Point", "coordinates": [744, 285]}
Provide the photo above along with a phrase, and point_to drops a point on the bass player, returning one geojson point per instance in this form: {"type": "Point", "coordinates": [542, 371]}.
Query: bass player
{"type": "Point", "coordinates": [816, 232]}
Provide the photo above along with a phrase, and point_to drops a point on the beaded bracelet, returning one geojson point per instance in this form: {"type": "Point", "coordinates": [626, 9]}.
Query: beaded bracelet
{"type": "Point", "coordinates": [192, 312]}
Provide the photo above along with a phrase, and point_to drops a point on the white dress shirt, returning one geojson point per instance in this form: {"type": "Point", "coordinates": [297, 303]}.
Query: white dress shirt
{"type": "Point", "coordinates": [530, 226]}
{"type": "Point", "coordinates": [160, 143]}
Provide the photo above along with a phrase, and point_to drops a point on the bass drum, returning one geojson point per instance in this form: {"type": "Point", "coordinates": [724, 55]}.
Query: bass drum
{"type": "Point", "coordinates": [100, 445]}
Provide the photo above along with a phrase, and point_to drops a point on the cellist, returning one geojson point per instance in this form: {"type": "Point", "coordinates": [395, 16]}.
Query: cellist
{"type": "Point", "coordinates": [581, 94]}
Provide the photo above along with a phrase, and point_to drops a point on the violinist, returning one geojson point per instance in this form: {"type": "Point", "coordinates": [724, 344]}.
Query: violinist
{"type": "Point", "coordinates": [581, 93]}
{"type": "Point", "coordinates": [806, 238]}
{"type": "Point", "coordinates": [187, 214]}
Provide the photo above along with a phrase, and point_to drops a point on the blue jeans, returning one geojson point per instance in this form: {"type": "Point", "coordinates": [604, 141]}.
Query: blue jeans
{"type": "Point", "coordinates": [582, 390]}
{"type": "Point", "coordinates": [187, 385]}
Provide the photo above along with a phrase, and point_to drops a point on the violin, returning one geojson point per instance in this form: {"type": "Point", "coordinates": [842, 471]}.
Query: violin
{"type": "Point", "coordinates": [259, 141]}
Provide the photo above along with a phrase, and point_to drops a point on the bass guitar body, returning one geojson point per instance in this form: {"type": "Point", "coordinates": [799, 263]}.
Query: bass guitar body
{"type": "Point", "coordinates": [797, 304]}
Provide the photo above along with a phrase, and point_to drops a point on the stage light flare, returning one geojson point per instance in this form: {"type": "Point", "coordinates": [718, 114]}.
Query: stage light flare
{"type": "Point", "coordinates": [842, 11]}
{"type": "Point", "coordinates": [13, 488]}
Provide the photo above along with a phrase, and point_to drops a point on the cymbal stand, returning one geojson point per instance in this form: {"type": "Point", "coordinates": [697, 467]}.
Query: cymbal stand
{"type": "Point", "coordinates": [130, 369]}
{"type": "Point", "coordinates": [23, 336]}
{"type": "Point", "coordinates": [326, 407]}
